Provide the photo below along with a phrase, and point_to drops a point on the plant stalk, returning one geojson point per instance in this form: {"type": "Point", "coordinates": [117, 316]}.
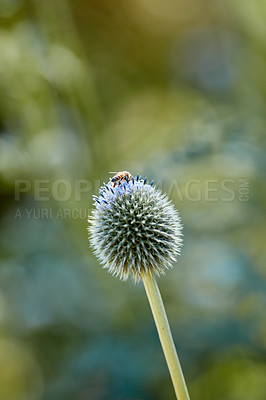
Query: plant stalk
{"type": "Point", "coordinates": [165, 336]}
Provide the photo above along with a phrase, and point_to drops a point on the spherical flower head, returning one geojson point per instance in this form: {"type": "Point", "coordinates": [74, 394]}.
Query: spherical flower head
{"type": "Point", "coordinates": [134, 229]}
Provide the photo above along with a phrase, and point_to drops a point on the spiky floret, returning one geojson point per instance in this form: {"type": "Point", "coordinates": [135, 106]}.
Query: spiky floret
{"type": "Point", "coordinates": [134, 229]}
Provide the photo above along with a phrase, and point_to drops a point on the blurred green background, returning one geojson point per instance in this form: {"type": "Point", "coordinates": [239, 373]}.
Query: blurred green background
{"type": "Point", "coordinates": [172, 90]}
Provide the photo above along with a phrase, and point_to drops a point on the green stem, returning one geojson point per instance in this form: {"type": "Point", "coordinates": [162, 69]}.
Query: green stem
{"type": "Point", "coordinates": [165, 336]}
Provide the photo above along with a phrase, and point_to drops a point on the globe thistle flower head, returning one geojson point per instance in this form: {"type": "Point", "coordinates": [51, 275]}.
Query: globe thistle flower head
{"type": "Point", "coordinates": [134, 229]}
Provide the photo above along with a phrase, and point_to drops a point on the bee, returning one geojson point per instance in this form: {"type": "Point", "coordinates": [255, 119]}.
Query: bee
{"type": "Point", "coordinates": [123, 176]}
